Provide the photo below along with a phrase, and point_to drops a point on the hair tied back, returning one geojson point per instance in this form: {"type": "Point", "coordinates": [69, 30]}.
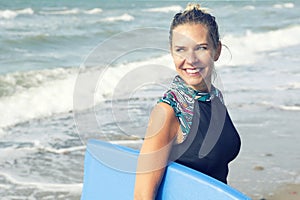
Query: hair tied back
{"type": "Point", "coordinates": [196, 6]}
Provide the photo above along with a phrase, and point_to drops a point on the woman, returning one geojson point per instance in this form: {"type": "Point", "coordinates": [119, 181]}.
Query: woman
{"type": "Point", "coordinates": [190, 124]}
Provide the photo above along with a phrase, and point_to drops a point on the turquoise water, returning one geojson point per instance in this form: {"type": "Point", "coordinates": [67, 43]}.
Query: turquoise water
{"type": "Point", "coordinates": [45, 44]}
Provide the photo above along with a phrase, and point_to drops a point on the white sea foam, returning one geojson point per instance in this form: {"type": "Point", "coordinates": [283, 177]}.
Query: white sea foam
{"type": "Point", "coordinates": [248, 49]}
{"type": "Point", "coordinates": [280, 106]}
{"type": "Point", "coordinates": [61, 12]}
{"type": "Point", "coordinates": [16, 153]}
{"type": "Point", "coordinates": [284, 5]}
{"type": "Point", "coordinates": [289, 108]}
{"type": "Point", "coordinates": [72, 11]}
{"type": "Point", "coordinates": [19, 81]}
{"type": "Point", "coordinates": [175, 8]}
{"type": "Point", "coordinates": [249, 7]}
{"type": "Point", "coordinates": [5, 186]}
{"type": "Point", "coordinates": [10, 14]}
{"type": "Point", "coordinates": [93, 11]}
{"type": "Point", "coordinates": [44, 100]}
{"type": "Point", "coordinates": [74, 188]}
{"type": "Point", "coordinates": [289, 86]}
{"type": "Point", "coordinates": [62, 150]}
{"type": "Point", "coordinates": [112, 76]}
{"type": "Point", "coordinates": [125, 17]}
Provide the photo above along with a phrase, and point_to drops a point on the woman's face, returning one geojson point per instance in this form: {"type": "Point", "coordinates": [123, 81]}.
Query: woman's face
{"type": "Point", "coordinates": [194, 55]}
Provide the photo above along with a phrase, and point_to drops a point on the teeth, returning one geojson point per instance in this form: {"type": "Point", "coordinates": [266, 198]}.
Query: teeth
{"type": "Point", "coordinates": [192, 71]}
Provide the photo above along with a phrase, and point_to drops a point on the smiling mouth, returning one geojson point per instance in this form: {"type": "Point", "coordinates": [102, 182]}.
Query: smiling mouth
{"type": "Point", "coordinates": [193, 71]}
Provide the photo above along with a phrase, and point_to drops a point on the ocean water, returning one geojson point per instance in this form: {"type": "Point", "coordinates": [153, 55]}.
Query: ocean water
{"type": "Point", "coordinates": [48, 113]}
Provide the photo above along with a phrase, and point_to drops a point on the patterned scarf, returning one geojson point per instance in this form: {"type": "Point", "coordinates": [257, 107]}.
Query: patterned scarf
{"type": "Point", "coordinates": [182, 97]}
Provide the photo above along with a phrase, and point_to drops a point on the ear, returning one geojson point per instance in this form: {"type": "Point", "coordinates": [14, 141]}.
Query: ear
{"type": "Point", "coordinates": [218, 51]}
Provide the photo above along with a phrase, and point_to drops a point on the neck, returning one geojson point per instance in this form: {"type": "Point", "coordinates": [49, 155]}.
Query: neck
{"type": "Point", "coordinates": [204, 86]}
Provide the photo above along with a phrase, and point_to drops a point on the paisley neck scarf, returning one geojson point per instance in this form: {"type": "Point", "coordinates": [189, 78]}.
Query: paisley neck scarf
{"type": "Point", "coordinates": [182, 97]}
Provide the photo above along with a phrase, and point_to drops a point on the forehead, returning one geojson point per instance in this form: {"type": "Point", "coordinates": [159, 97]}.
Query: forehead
{"type": "Point", "coordinates": [190, 33]}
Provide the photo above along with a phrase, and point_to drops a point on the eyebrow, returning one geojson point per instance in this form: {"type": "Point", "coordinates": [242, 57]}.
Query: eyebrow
{"type": "Point", "coordinates": [179, 46]}
{"type": "Point", "coordinates": [201, 44]}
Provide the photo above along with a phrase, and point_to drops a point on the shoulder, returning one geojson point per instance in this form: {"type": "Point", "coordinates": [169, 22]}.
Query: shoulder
{"type": "Point", "coordinates": [163, 120]}
{"type": "Point", "coordinates": [166, 110]}
{"type": "Point", "coordinates": [166, 106]}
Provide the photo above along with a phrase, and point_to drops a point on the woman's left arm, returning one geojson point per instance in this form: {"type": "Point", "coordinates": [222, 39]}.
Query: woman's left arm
{"type": "Point", "coordinates": [153, 158]}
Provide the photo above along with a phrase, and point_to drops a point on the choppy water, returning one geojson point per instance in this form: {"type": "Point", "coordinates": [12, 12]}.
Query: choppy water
{"type": "Point", "coordinates": [43, 45]}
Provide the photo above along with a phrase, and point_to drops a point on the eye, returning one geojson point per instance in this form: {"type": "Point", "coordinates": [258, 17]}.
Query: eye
{"type": "Point", "coordinates": [179, 49]}
{"type": "Point", "coordinates": [201, 48]}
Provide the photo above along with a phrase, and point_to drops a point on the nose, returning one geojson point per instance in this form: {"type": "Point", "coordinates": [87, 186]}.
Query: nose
{"type": "Point", "coordinates": [191, 58]}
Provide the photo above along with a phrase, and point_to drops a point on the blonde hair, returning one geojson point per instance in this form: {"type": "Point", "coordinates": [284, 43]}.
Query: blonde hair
{"type": "Point", "coordinates": [196, 6]}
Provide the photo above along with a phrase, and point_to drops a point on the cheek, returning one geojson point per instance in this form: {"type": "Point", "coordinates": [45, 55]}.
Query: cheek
{"type": "Point", "coordinates": [178, 60]}
{"type": "Point", "coordinates": [206, 59]}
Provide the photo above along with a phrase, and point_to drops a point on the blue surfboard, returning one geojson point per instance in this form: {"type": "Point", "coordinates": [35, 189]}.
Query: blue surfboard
{"type": "Point", "coordinates": [109, 174]}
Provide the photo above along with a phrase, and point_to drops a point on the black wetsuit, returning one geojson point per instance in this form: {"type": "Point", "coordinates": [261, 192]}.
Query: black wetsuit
{"type": "Point", "coordinates": [211, 143]}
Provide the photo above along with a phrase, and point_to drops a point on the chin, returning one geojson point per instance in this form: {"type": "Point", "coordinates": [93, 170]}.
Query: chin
{"type": "Point", "coordinates": [200, 82]}
{"type": "Point", "coordinates": [194, 82]}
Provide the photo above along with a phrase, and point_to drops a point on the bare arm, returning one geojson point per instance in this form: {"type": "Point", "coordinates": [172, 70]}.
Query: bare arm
{"type": "Point", "coordinates": [162, 129]}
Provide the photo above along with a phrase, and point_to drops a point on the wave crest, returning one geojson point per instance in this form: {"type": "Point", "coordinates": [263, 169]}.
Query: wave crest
{"type": "Point", "coordinates": [247, 49]}
{"type": "Point", "coordinates": [284, 5]}
{"type": "Point", "coordinates": [125, 17]}
{"type": "Point", "coordinates": [10, 14]}
{"type": "Point", "coordinates": [30, 95]}
{"type": "Point", "coordinates": [167, 9]}
{"type": "Point", "coordinates": [72, 11]}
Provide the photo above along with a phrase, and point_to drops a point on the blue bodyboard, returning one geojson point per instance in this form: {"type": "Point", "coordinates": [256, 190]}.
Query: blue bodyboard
{"type": "Point", "coordinates": [109, 174]}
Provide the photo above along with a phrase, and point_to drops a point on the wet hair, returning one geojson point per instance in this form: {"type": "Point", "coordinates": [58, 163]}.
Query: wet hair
{"type": "Point", "coordinates": [195, 14]}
